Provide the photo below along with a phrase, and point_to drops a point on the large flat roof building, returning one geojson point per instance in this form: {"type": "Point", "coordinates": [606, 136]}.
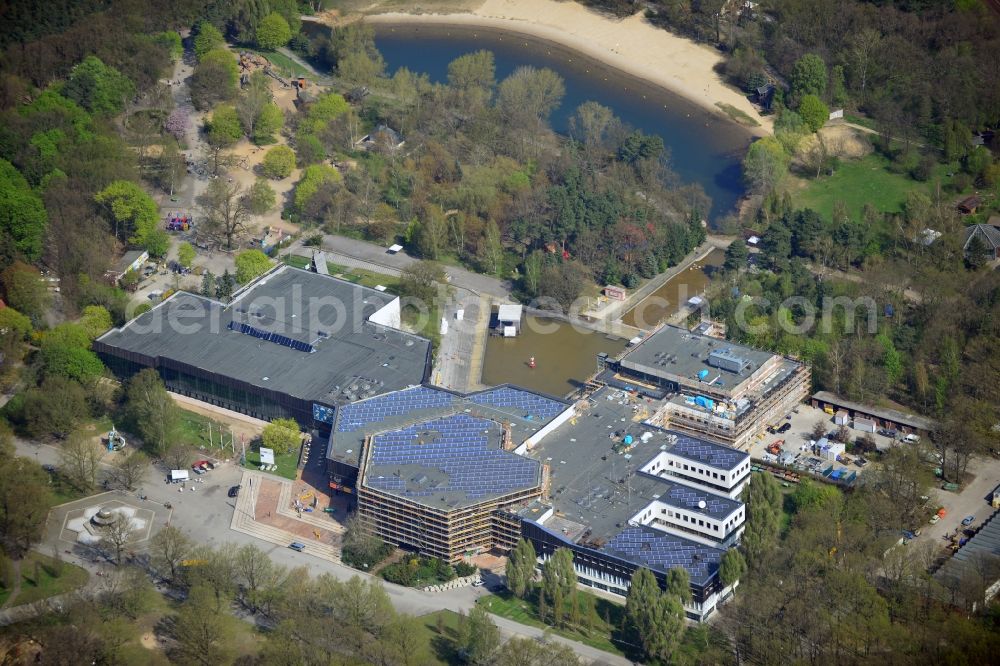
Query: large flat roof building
{"type": "Point", "coordinates": [451, 475]}
{"type": "Point", "coordinates": [618, 507]}
{"type": "Point", "coordinates": [714, 388]}
{"type": "Point", "coordinates": [291, 344]}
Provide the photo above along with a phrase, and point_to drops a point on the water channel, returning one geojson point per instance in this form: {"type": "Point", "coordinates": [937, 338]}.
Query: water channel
{"type": "Point", "coordinates": [675, 292]}
{"type": "Point", "coordinates": [565, 356]}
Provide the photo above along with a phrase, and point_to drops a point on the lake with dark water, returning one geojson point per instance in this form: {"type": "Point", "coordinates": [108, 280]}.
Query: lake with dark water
{"type": "Point", "coordinates": [705, 148]}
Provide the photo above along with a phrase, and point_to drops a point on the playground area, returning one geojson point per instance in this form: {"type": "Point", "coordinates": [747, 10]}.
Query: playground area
{"type": "Point", "coordinates": [298, 509]}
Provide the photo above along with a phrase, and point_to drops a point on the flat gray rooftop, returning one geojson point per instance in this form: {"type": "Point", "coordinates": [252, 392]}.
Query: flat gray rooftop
{"type": "Point", "coordinates": [594, 490]}
{"type": "Point", "coordinates": [677, 352]}
{"type": "Point", "coordinates": [526, 412]}
{"type": "Point", "coordinates": [292, 332]}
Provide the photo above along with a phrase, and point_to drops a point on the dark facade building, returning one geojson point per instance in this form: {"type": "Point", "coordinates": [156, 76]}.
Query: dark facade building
{"type": "Point", "coordinates": [291, 344]}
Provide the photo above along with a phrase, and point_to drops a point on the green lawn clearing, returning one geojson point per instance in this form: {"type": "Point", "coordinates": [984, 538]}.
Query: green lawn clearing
{"type": "Point", "coordinates": [43, 577]}
{"type": "Point", "coordinates": [287, 463]}
{"type": "Point", "coordinates": [440, 635]}
{"type": "Point", "coordinates": [864, 181]}
{"type": "Point", "coordinates": [202, 432]}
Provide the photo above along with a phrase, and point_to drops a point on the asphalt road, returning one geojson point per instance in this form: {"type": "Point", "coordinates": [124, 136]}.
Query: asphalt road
{"type": "Point", "coordinates": [205, 515]}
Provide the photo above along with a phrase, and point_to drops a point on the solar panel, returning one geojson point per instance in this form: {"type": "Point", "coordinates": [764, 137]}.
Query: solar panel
{"type": "Point", "coordinates": [276, 338]}
{"type": "Point", "coordinates": [530, 404]}
{"type": "Point", "coordinates": [457, 447]}
{"type": "Point", "coordinates": [662, 552]}
{"type": "Point", "coordinates": [709, 453]}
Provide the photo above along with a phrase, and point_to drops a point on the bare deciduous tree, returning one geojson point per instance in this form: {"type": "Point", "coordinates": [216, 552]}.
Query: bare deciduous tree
{"type": "Point", "coordinates": [116, 535]}
{"type": "Point", "coordinates": [226, 211]}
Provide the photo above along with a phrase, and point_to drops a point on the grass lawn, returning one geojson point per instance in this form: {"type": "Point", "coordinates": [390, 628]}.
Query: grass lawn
{"type": "Point", "coordinates": [355, 275]}
{"type": "Point", "coordinates": [63, 491]}
{"type": "Point", "coordinates": [602, 635]}
{"type": "Point", "coordinates": [193, 429]}
{"type": "Point", "coordinates": [287, 462]}
{"type": "Point", "coordinates": [286, 66]}
{"type": "Point", "coordinates": [864, 181]}
{"type": "Point", "coordinates": [442, 645]}
{"type": "Point", "coordinates": [43, 577]}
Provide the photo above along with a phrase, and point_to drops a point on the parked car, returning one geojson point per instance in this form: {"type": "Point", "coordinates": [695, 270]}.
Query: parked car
{"type": "Point", "coordinates": [295, 545]}
{"type": "Point", "coordinates": [785, 427]}
{"type": "Point", "coordinates": [934, 519]}
{"type": "Point", "coordinates": [968, 520]}
{"type": "Point", "coordinates": [235, 490]}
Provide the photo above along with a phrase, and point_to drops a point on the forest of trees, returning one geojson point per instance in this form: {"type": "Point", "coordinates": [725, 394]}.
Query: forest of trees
{"type": "Point", "coordinates": [485, 180]}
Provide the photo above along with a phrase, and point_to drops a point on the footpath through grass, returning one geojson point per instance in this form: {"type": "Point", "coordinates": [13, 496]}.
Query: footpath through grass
{"type": "Point", "coordinates": [43, 577]}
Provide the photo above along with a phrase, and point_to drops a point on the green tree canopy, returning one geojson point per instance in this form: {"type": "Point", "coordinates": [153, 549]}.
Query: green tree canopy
{"type": "Point", "coordinates": [25, 290]}
{"type": "Point", "coordinates": [732, 567]}
{"type": "Point", "coordinates": [224, 129]}
{"type": "Point", "coordinates": [134, 215]}
{"type": "Point", "coordinates": [152, 413]}
{"type": "Point", "coordinates": [214, 79]}
{"type": "Point", "coordinates": [814, 112]}
{"type": "Point", "coordinates": [326, 108]}
{"type": "Point", "coordinates": [765, 164]}
{"type": "Point", "coordinates": [251, 264]}
{"type": "Point", "coordinates": [185, 254]}
{"type": "Point", "coordinates": [261, 197]}
{"type": "Point", "coordinates": [809, 76]}
{"type": "Point", "coordinates": [281, 435]}
{"type": "Point", "coordinates": [24, 500]}
{"type": "Point", "coordinates": [313, 177]}
{"type": "Point", "coordinates": [279, 162]}
{"type": "Point", "coordinates": [520, 569]}
{"type": "Point", "coordinates": [22, 212]}
{"type": "Point", "coordinates": [95, 320]}
{"type": "Point", "coordinates": [55, 408]}
{"type": "Point", "coordinates": [273, 32]}
{"type": "Point", "coordinates": [100, 89]}
{"type": "Point", "coordinates": [207, 38]}
{"type": "Point", "coordinates": [736, 255]}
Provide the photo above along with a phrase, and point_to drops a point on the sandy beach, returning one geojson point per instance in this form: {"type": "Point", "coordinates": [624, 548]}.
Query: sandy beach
{"type": "Point", "coordinates": [631, 45]}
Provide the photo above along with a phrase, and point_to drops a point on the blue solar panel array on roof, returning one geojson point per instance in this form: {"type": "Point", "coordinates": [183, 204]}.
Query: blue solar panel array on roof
{"type": "Point", "coordinates": [530, 404]}
{"type": "Point", "coordinates": [685, 496]}
{"type": "Point", "coordinates": [457, 446]}
{"type": "Point", "coordinates": [663, 552]}
{"type": "Point", "coordinates": [375, 410]}
{"type": "Point", "coordinates": [284, 341]}
{"type": "Point", "coordinates": [716, 455]}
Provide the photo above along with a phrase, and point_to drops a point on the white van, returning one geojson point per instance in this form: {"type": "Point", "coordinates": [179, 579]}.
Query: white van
{"type": "Point", "coordinates": [911, 438]}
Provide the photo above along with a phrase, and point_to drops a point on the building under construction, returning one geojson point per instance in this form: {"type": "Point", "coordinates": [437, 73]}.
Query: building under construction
{"type": "Point", "coordinates": [433, 470]}
{"type": "Point", "coordinates": [718, 389]}
{"type": "Point", "coordinates": [453, 475]}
